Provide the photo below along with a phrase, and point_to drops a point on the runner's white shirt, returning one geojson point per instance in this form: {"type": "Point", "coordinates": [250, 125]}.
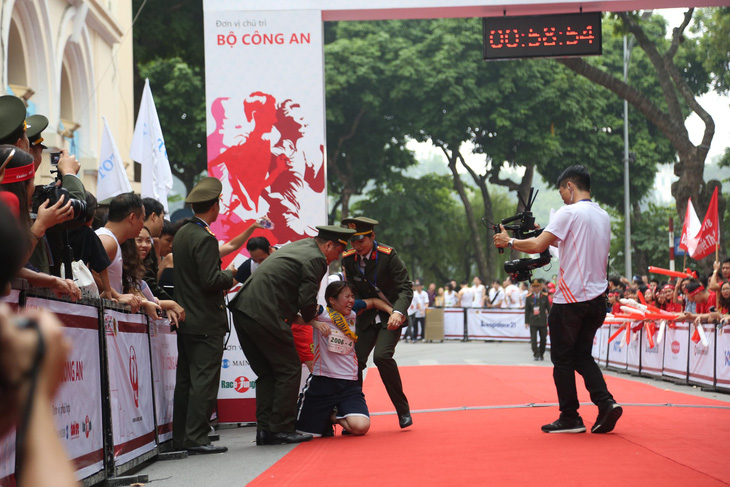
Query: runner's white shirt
{"type": "Point", "coordinates": [334, 355]}
{"type": "Point", "coordinates": [583, 230]}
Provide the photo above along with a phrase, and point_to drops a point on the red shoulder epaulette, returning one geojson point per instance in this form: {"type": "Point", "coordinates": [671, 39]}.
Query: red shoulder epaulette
{"type": "Point", "coordinates": [385, 250]}
{"type": "Point", "coordinates": [348, 253]}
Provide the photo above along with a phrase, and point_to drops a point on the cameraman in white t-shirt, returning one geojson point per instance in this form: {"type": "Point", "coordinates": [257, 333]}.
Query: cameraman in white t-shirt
{"type": "Point", "coordinates": [581, 230]}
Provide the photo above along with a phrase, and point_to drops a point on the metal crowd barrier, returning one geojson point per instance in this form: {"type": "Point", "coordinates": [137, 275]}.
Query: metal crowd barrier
{"type": "Point", "coordinates": [113, 409]}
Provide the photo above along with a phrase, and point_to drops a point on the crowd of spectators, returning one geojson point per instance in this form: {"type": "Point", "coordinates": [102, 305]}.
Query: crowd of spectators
{"type": "Point", "coordinates": [504, 294]}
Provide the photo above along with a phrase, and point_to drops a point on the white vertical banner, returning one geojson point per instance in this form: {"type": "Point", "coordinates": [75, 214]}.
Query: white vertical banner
{"type": "Point", "coordinates": [633, 349]}
{"type": "Point", "coordinates": [453, 323]}
{"type": "Point", "coordinates": [492, 324]}
{"type": "Point", "coordinates": [266, 119]}
{"type": "Point", "coordinates": [617, 350]}
{"type": "Point", "coordinates": [652, 358]}
{"type": "Point", "coordinates": [237, 390]}
{"type": "Point", "coordinates": [112, 179]}
{"type": "Point", "coordinates": [148, 148]}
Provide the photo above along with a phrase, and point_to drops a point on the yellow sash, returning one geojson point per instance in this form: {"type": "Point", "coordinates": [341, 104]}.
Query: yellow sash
{"type": "Point", "coordinates": [340, 323]}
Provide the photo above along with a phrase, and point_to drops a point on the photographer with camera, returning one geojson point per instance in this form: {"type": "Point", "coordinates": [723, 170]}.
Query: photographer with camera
{"type": "Point", "coordinates": [582, 232]}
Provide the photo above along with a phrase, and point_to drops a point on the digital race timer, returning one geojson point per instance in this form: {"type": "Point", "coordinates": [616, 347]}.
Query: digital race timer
{"type": "Point", "coordinates": [542, 36]}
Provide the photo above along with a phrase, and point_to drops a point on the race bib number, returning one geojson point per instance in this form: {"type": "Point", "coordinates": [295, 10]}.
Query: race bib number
{"type": "Point", "coordinates": [338, 342]}
{"type": "Point", "coordinates": [536, 312]}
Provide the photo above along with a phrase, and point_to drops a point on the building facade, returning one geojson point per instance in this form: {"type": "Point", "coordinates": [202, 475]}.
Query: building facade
{"type": "Point", "coordinates": [71, 60]}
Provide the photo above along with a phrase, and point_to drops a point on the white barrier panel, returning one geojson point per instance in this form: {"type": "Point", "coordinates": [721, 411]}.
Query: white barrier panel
{"type": "Point", "coordinates": [130, 384]}
{"type": "Point", "coordinates": [702, 359]}
{"type": "Point", "coordinates": [676, 340]}
{"type": "Point", "coordinates": [722, 358]}
{"type": "Point", "coordinates": [163, 343]}
{"type": "Point", "coordinates": [453, 323]}
{"type": "Point", "coordinates": [77, 405]}
{"type": "Point", "coordinates": [504, 324]}
{"type": "Point", "coordinates": [633, 350]}
{"type": "Point", "coordinates": [600, 345]}
{"type": "Point", "coordinates": [652, 359]}
{"type": "Point", "coordinates": [237, 390]}
{"type": "Point", "coordinates": [12, 300]}
{"type": "Point", "coordinates": [7, 459]}
{"type": "Point", "coordinates": [616, 349]}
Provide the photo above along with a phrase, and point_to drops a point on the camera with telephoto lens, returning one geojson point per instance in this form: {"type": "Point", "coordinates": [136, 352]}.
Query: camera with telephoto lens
{"type": "Point", "coordinates": [521, 269]}
{"type": "Point", "coordinates": [53, 193]}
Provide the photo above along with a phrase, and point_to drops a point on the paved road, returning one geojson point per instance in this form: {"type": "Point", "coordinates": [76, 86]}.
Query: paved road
{"type": "Point", "coordinates": [244, 461]}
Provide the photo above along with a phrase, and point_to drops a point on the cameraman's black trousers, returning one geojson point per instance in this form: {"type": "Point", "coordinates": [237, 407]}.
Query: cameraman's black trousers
{"type": "Point", "coordinates": [572, 328]}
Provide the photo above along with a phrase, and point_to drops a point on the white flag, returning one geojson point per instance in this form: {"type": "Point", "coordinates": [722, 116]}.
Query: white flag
{"type": "Point", "coordinates": [148, 148]}
{"type": "Point", "coordinates": [112, 179]}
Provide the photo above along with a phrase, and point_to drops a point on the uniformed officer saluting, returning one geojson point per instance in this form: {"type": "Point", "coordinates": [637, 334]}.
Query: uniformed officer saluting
{"type": "Point", "coordinates": [199, 288]}
{"type": "Point", "coordinates": [286, 283]}
{"type": "Point", "coordinates": [377, 272]}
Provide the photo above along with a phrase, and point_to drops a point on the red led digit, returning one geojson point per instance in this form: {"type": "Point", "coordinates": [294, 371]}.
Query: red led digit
{"type": "Point", "coordinates": [534, 38]}
{"type": "Point", "coordinates": [516, 35]}
{"type": "Point", "coordinates": [549, 39]}
{"type": "Point", "coordinates": [491, 39]}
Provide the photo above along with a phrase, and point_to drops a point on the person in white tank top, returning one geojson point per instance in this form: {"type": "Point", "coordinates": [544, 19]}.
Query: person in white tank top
{"type": "Point", "coordinates": [582, 232]}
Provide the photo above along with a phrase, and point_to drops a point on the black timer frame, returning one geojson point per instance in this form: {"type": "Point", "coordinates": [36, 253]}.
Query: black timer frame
{"type": "Point", "coordinates": [532, 36]}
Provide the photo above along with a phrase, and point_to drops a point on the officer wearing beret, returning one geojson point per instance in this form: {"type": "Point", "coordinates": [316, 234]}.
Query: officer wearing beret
{"type": "Point", "coordinates": [284, 285]}
{"type": "Point", "coordinates": [200, 285]}
{"type": "Point", "coordinates": [376, 271]}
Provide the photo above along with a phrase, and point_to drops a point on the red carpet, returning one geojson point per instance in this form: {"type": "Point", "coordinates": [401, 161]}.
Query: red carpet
{"type": "Point", "coordinates": [652, 444]}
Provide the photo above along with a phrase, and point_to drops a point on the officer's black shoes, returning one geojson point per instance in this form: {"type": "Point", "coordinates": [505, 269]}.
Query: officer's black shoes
{"type": "Point", "coordinates": [608, 415]}
{"type": "Point", "coordinates": [329, 431]}
{"type": "Point", "coordinates": [565, 426]}
{"type": "Point", "coordinates": [286, 438]}
{"type": "Point", "coordinates": [262, 436]}
{"type": "Point", "coordinates": [206, 450]}
{"type": "Point", "coordinates": [405, 420]}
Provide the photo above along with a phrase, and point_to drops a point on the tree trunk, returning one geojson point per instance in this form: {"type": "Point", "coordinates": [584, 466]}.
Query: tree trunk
{"type": "Point", "coordinates": [345, 197]}
{"type": "Point", "coordinates": [477, 244]}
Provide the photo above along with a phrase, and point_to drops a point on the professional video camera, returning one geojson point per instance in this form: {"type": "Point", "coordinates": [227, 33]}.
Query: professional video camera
{"type": "Point", "coordinates": [521, 269]}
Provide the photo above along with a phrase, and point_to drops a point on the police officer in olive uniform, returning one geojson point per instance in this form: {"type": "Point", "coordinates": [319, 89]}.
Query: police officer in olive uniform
{"type": "Point", "coordinates": [200, 285]}
{"type": "Point", "coordinates": [376, 271]}
{"type": "Point", "coordinates": [36, 125]}
{"type": "Point", "coordinates": [284, 285]}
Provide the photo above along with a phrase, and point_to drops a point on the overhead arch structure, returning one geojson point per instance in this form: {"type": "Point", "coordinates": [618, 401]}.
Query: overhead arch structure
{"type": "Point", "coordinates": [265, 94]}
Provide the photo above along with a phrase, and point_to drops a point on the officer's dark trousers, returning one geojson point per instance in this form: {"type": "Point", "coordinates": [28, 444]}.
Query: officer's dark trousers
{"type": "Point", "coordinates": [383, 341]}
{"type": "Point", "coordinates": [196, 388]}
{"type": "Point", "coordinates": [271, 353]}
{"type": "Point", "coordinates": [538, 350]}
{"type": "Point", "coordinates": [572, 328]}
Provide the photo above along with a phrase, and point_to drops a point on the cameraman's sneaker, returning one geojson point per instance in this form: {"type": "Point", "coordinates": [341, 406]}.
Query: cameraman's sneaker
{"type": "Point", "coordinates": [608, 415]}
{"type": "Point", "coordinates": [565, 426]}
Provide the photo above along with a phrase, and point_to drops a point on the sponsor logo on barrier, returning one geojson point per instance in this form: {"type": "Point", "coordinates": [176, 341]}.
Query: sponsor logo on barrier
{"type": "Point", "coordinates": [171, 362]}
{"type": "Point", "coordinates": [727, 358]}
{"type": "Point", "coordinates": [616, 346]}
{"type": "Point", "coordinates": [700, 350]}
{"type": "Point", "coordinates": [240, 384]}
{"type": "Point", "coordinates": [133, 374]}
{"type": "Point", "coordinates": [63, 408]}
{"type": "Point", "coordinates": [226, 363]}
{"type": "Point", "coordinates": [676, 347]}
{"type": "Point", "coordinates": [75, 429]}
{"type": "Point", "coordinates": [499, 324]}
{"type": "Point", "coordinates": [86, 427]}
{"type": "Point", "coordinates": [233, 347]}
{"type": "Point", "coordinates": [651, 350]}
{"type": "Point", "coordinates": [73, 371]}
{"type": "Point", "coordinates": [110, 325]}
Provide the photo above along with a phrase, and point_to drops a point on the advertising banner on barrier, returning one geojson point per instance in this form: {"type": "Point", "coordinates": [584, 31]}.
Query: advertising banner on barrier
{"type": "Point", "coordinates": [130, 384]}
{"type": "Point", "coordinates": [453, 323]}
{"type": "Point", "coordinates": [265, 130]}
{"type": "Point", "coordinates": [652, 359]}
{"type": "Point", "coordinates": [600, 340]}
{"type": "Point", "coordinates": [633, 350]}
{"type": "Point", "coordinates": [7, 459]}
{"type": "Point", "coordinates": [163, 342]}
{"type": "Point", "coordinates": [722, 358]}
{"type": "Point", "coordinates": [237, 390]}
{"type": "Point", "coordinates": [77, 405]}
{"type": "Point", "coordinates": [702, 358]}
{"type": "Point", "coordinates": [616, 350]}
{"type": "Point", "coordinates": [676, 346]}
{"type": "Point", "coordinates": [497, 324]}
{"type": "Point", "coordinates": [11, 299]}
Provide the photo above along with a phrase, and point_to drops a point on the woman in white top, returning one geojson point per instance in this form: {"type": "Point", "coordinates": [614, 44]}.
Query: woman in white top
{"type": "Point", "coordinates": [450, 297]}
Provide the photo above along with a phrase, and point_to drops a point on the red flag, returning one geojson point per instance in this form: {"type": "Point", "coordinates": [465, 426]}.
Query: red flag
{"type": "Point", "coordinates": [690, 229]}
{"type": "Point", "coordinates": [709, 235]}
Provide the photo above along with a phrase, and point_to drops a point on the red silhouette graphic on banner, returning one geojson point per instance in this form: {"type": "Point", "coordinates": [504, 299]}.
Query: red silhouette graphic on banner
{"type": "Point", "coordinates": [134, 375]}
{"type": "Point", "coordinates": [268, 165]}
